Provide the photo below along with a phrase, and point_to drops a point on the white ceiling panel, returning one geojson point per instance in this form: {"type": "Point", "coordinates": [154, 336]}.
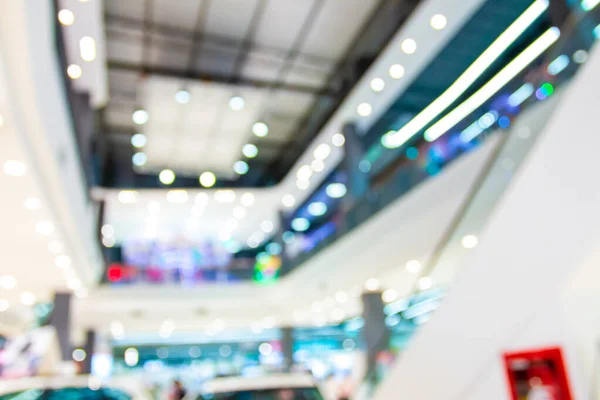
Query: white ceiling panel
{"type": "Point", "coordinates": [333, 31]}
{"type": "Point", "coordinates": [129, 8]}
{"type": "Point", "coordinates": [261, 69]}
{"type": "Point", "coordinates": [183, 16]}
{"type": "Point", "coordinates": [170, 53]}
{"type": "Point", "coordinates": [299, 75]}
{"type": "Point", "coordinates": [128, 50]}
{"type": "Point", "coordinates": [282, 22]}
{"type": "Point", "coordinates": [229, 18]}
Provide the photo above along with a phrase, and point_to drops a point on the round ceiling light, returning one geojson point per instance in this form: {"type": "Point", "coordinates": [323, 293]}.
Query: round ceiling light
{"type": "Point", "coordinates": [249, 150]}
{"type": "Point", "coordinates": [336, 190]}
{"type": "Point", "coordinates": [300, 224]}
{"type": "Point", "coordinates": [267, 226]}
{"type": "Point", "coordinates": [237, 103]}
{"type": "Point", "coordinates": [338, 140]}
{"type": "Point", "coordinates": [166, 177]}
{"type": "Point", "coordinates": [14, 168]}
{"type": "Point", "coordinates": [140, 117]}
{"type": "Point", "coordinates": [469, 241]}
{"type": "Point", "coordinates": [377, 84]}
{"type": "Point", "coordinates": [138, 140]}
{"type": "Point", "coordinates": [139, 159]}
{"type": "Point", "coordinates": [207, 179]}
{"type": "Point", "coordinates": [438, 22]}
{"type": "Point", "coordinates": [32, 203]}
{"type": "Point", "coordinates": [241, 167]}
{"type": "Point", "coordinates": [317, 165]}
{"type": "Point", "coordinates": [413, 266]}
{"type": "Point", "coordinates": [409, 46]}
{"type": "Point", "coordinates": [260, 129]}
{"type": "Point", "coordinates": [322, 151]}
{"type": "Point", "coordinates": [425, 283]}
{"type": "Point", "coordinates": [396, 71]}
{"type": "Point", "coordinates": [364, 109]}
{"type": "Point", "coordinates": [44, 228]}
{"type": "Point", "coordinates": [27, 299]}
{"type": "Point", "coordinates": [183, 96]}
{"type": "Point", "coordinates": [304, 173]}
{"type": "Point", "coordinates": [317, 208]}
{"type": "Point", "coordinates": [74, 71]}
{"type": "Point", "coordinates": [288, 200]}
{"type": "Point", "coordinates": [247, 199]}
{"type": "Point", "coordinates": [66, 17]}
{"type": "Point", "coordinates": [302, 185]}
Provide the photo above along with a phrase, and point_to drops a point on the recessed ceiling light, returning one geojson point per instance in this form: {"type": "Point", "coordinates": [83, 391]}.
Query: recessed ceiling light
{"type": "Point", "coordinates": [138, 140]}
{"type": "Point", "coordinates": [207, 179]}
{"type": "Point", "coordinates": [389, 295]}
{"type": "Point", "coordinates": [580, 56]}
{"type": "Point", "coordinates": [413, 266]}
{"type": "Point", "coordinates": [438, 22]}
{"type": "Point", "coordinates": [260, 129]}
{"type": "Point", "coordinates": [267, 226]}
{"type": "Point", "coordinates": [372, 284]}
{"type": "Point", "coordinates": [469, 241]}
{"type": "Point", "coordinates": [108, 242]}
{"type": "Point", "coordinates": [32, 203]}
{"type": "Point", "coordinates": [409, 46]}
{"type": "Point", "coordinates": [425, 283]}
{"type": "Point", "coordinates": [66, 17]}
{"type": "Point", "coordinates": [288, 200]}
{"type": "Point", "coordinates": [247, 199]}
{"type": "Point", "coordinates": [304, 173]}
{"type": "Point", "coordinates": [239, 212]}
{"type": "Point", "coordinates": [341, 296]}
{"type": "Point", "coordinates": [237, 103]}
{"type": "Point", "coordinates": [14, 168]}
{"type": "Point", "coordinates": [300, 224]}
{"type": "Point", "coordinates": [4, 305]}
{"type": "Point", "coordinates": [8, 282]}
{"type": "Point", "coordinates": [364, 109]}
{"type": "Point", "coordinates": [250, 150]}
{"type": "Point", "coordinates": [1, 120]}
{"type": "Point", "coordinates": [87, 48]}
{"type": "Point", "coordinates": [396, 71]}
{"type": "Point", "coordinates": [127, 196]}
{"type": "Point", "coordinates": [166, 177]}
{"type": "Point", "coordinates": [177, 196]}
{"type": "Point", "coordinates": [336, 190]}
{"type": "Point", "coordinates": [241, 167]}
{"type": "Point", "coordinates": [27, 298]}
{"type": "Point", "coordinates": [183, 96]}
{"type": "Point", "coordinates": [322, 151]}
{"type": "Point", "coordinates": [139, 159]}
{"type": "Point", "coordinates": [317, 208]}
{"type": "Point", "coordinates": [302, 185]}
{"type": "Point", "coordinates": [338, 140]}
{"type": "Point", "coordinates": [73, 283]}
{"type": "Point", "coordinates": [44, 228]}
{"type": "Point", "coordinates": [225, 196]}
{"type": "Point", "coordinates": [74, 71]}
{"type": "Point", "coordinates": [317, 165]}
{"type": "Point", "coordinates": [107, 230]}
{"type": "Point", "coordinates": [140, 117]}
{"type": "Point", "coordinates": [377, 84]}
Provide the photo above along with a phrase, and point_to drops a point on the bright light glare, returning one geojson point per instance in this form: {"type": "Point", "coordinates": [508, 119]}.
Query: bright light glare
{"type": "Point", "coordinates": [597, 32]}
{"type": "Point", "coordinates": [317, 165]}
{"type": "Point", "coordinates": [469, 241]}
{"type": "Point", "coordinates": [520, 95]}
{"type": "Point", "coordinates": [183, 96]}
{"type": "Point", "coordinates": [138, 140]}
{"type": "Point", "coordinates": [288, 200]}
{"type": "Point", "coordinates": [250, 150]}
{"type": "Point", "coordinates": [364, 109]}
{"type": "Point", "coordinates": [265, 349]}
{"type": "Point", "coordinates": [177, 196]}
{"type": "Point", "coordinates": [396, 71]}
{"type": "Point", "coordinates": [267, 226]}
{"type": "Point", "coordinates": [580, 56]}
{"type": "Point", "coordinates": [438, 22]}
{"type": "Point", "coordinates": [372, 284]}
{"type": "Point", "coordinates": [341, 296]}
{"type": "Point", "coordinates": [4, 305]}
{"type": "Point", "coordinates": [260, 129]}
{"type": "Point", "coordinates": [27, 299]}
{"type": "Point", "coordinates": [127, 196]}
{"type": "Point", "coordinates": [338, 140]}
{"type": "Point", "coordinates": [8, 282]}
{"type": "Point", "coordinates": [425, 283]}
{"type": "Point", "coordinates": [32, 203]}
{"type": "Point", "coordinates": [87, 48]}
{"type": "Point", "coordinates": [74, 71]}
{"type": "Point", "coordinates": [300, 224]}
{"type": "Point", "coordinates": [559, 64]}
{"type": "Point", "coordinates": [493, 85]}
{"type": "Point", "coordinates": [63, 261]}
{"type": "Point", "coordinates": [317, 208]}
{"type": "Point", "coordinates": [322, 151]}
{"type": "Point", "coordinates": [413, 266]}
{"type": "Point", "coordinates": [132, 356]}
{"type": "Point", "coordinates": [336, 190]}
{"type": "Point", "coordinates": [588, 5]}
{"type": "Point", "coordinates": [140, 117]}
{"type": "Point", "coordinates": [44, 228]}
{"type": "Point", "coordinates": [377, 84]}
{"type": "Point", "coordinates": [139, 159]}
{"type": "Point", "coordinates": [79, 355]}
{"type": "Point", "coordinates": [247, 199]}
{"type": "Point", "coordinates": [409, 46]}
{"type": "Point", "coordinates": [225, 196]}
{"type": "Point", "coordinates": [389, 295]}
{"type": "Point", "coordinates": [304, 173]}
{"type": "Point", "coordinates": [66, 17]}
{"type": "Point", "coordinates": [207, 179]}
{"type": "Point", "coordinates": [166, 176]}
{"type": "Point", "coordinates": [14, 168]}
{"type": "Point", "coordinates": [237, 103]}
{"type": "Point", "coordinates": [471, 74]}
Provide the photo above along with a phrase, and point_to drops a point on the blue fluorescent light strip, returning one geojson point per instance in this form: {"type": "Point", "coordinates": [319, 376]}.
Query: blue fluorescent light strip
{"type": "Point", "coordinates": [520, 95]}
{"type": "Point", "coordinates": [471, 132]}
{"type": "Point", "coordinates": [588, 5]}
{"type": "Point", "coordinates": [558, 65]}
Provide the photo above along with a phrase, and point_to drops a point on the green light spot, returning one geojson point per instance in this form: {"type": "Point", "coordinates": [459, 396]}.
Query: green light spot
{"type": "Point", "coordinates": [547, 89]}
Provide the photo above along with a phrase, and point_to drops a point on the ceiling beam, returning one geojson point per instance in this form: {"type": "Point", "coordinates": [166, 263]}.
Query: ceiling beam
{"type": "Point", "coordinates": [178, 73]}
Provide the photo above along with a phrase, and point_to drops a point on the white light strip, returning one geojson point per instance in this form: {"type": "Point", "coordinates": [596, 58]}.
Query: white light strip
{"type": "Point", "coordinates": [520, 95]}
{"type": "Point", "coordinates": [588, 5]}
{"type": "Point", "coordinates": [87, 48]}
{"type": "Point", "coordinates": [471, 132]}
{"type": "Point", "coordinates": [494, 85]}
{"type": "Point", "coordinates": [471, 74]}
{"type": "Point", "coordinates": [558, 65]}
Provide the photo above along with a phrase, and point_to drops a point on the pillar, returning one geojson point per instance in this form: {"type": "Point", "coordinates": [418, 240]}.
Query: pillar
{"type": "Point", "coordinates": [357, 181]}
{"type": "Point", "coordinates": [89, 348]}
{"type": "Point", "coordinates": [287, 347]}
{"type": "Point", "coordinates": [376, 335]}
{"type": "Point", "coordinates": [61, 321]}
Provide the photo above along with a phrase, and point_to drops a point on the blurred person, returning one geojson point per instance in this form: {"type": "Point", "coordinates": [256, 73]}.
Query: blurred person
{"type": "Point", "coordinates": [178, 391]}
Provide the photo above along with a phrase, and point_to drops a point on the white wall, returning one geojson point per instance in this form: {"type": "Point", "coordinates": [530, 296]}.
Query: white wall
{"type": "Point", "coordinates": [505, 298]}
